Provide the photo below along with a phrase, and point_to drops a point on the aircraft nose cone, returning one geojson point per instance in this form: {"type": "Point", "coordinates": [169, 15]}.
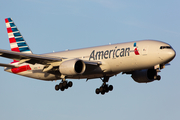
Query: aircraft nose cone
{"type": "Point", "coordinates": [167, 55]}
{"type": "Point", "coordinates": [171, 54]}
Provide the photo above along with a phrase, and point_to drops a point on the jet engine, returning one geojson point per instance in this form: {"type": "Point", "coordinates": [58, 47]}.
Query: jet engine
{"type": "Point", "coordinates": [145, 76]}
{"type": "Point", "coordinates": [72, 67]}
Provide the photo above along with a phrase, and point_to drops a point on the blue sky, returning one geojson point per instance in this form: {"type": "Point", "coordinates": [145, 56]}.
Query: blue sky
{"type": "Point", "coordinates": [57, 25]}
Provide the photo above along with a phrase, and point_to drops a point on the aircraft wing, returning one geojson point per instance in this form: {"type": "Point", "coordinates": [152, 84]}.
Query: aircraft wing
{"type": "Point", "coordinates": [29, 58]}
{"type": "Point", "coordinates": [34, 58]}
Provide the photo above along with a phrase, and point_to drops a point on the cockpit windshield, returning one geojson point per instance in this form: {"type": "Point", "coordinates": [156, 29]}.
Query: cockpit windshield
{"type": "Point", "coordinates": [165, 47]}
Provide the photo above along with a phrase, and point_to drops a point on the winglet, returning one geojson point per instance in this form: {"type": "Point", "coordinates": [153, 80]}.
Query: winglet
{"type": "Point", "coordinates": [17, 42]}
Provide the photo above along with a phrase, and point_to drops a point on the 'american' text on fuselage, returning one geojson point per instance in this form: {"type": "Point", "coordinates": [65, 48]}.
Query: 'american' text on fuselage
{"type": "Point", "coordinates": [114, 53]}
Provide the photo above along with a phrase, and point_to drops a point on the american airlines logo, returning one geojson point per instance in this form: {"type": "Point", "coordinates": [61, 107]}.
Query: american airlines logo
{"type": "Point", "coordinates": [136, 49]}
{"type": "Point", "coordinates": [113, 53]}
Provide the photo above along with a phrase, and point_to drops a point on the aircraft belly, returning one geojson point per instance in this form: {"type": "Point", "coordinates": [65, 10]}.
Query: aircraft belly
{"type": "Point", "coordinates": [37, 75]}
{"type": "Point", "coordinates": [122, 64]}
{"type": "Point", "coordinates": [42, 76]}
{"type": "Point", "coordinates": [91, 76]}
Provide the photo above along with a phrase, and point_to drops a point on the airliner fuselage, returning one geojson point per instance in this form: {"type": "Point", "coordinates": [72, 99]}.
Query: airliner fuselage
{"type": "Point", "coordinates": [116, 58]}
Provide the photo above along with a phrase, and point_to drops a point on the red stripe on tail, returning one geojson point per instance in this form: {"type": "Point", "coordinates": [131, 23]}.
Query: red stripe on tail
{"type": "Point", "coordinates": [12, 40]}
{"type": "Point", "coordinates": [6, 20]}
{"type": "Point", "coordinates": [9, 30]}
{"type": "Point", "coordinates": [15, 49]}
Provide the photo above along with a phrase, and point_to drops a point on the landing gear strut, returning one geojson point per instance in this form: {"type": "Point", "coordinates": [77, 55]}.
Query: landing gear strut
{"type": "Point", "coordinates": [63, 85]}
{"type": "Point", "coordinates": [105, 88]}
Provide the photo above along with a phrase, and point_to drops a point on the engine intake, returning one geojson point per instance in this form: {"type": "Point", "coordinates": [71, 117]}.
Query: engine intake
{"type": "Point", "coordinates": [72, 67]}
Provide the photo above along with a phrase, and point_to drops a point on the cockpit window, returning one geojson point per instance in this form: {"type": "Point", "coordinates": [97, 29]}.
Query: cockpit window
{"type": "Point", "coordinates": [165, 47]}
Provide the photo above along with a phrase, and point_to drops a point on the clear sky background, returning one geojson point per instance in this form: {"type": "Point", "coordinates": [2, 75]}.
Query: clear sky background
{"type": "Point", "coordinates": [57, 25]}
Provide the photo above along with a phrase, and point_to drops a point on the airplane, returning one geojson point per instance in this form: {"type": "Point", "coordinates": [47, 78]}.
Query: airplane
{"type": "Point", "coordinates": [142, 59]}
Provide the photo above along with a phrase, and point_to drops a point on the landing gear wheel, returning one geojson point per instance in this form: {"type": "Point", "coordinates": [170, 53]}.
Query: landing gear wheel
{"type": "Point", "coordinates": [70, 84]}
{"type": "Point", "coordinates": [158, 77]}
{"type": "Point", "coordinates": [106, 89]}
{"type": "Point", "coordinates": [101, 89]}
{"type": "Point", "coordinates": [64, 83]}
{"type": "Point", "coordinates": [103, 92]}
{"type": "Point", "coordinates": [110, 88]}
{"type": "Point", "coordinates": [62, 89]}
{"type": "Point", "coordinates": [66, 87]}
{"type": "Point", "coordinates": [57, 87]}
{"type": "Point", "coordinates": [60, 85]}
{"type": "Point", "coordinates": [97, 91]}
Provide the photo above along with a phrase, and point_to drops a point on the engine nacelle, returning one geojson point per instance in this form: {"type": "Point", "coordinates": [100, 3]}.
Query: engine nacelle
{"type": "Point", "coordinates": [72, 67]}
{"type": "Point", "coordinates": [145, 76]}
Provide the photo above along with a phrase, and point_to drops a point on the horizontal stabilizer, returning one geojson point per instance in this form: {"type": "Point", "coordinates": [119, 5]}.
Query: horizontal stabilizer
{"type": "Point", "coordinates": [8, 65]}
{"type": "Point", "coordinates": [29, 58]}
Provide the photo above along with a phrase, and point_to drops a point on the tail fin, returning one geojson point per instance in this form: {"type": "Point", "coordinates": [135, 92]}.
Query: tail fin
{"type": "Point", "coordinates": [17, 42]}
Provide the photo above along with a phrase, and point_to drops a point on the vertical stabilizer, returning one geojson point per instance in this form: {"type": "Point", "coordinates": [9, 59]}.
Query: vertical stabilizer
{"type": "Point", "coordinates": [17, 42]}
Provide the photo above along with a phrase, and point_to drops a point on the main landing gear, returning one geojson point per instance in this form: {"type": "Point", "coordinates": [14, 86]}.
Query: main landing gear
{"type": "Point", "coordinates": [105, 88]}
{"type": "Point", "coordinates": [63, 85]}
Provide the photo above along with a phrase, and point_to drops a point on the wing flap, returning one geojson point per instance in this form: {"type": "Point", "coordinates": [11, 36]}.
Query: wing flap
{"type": "Point", "coordinates": [95, 63]}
